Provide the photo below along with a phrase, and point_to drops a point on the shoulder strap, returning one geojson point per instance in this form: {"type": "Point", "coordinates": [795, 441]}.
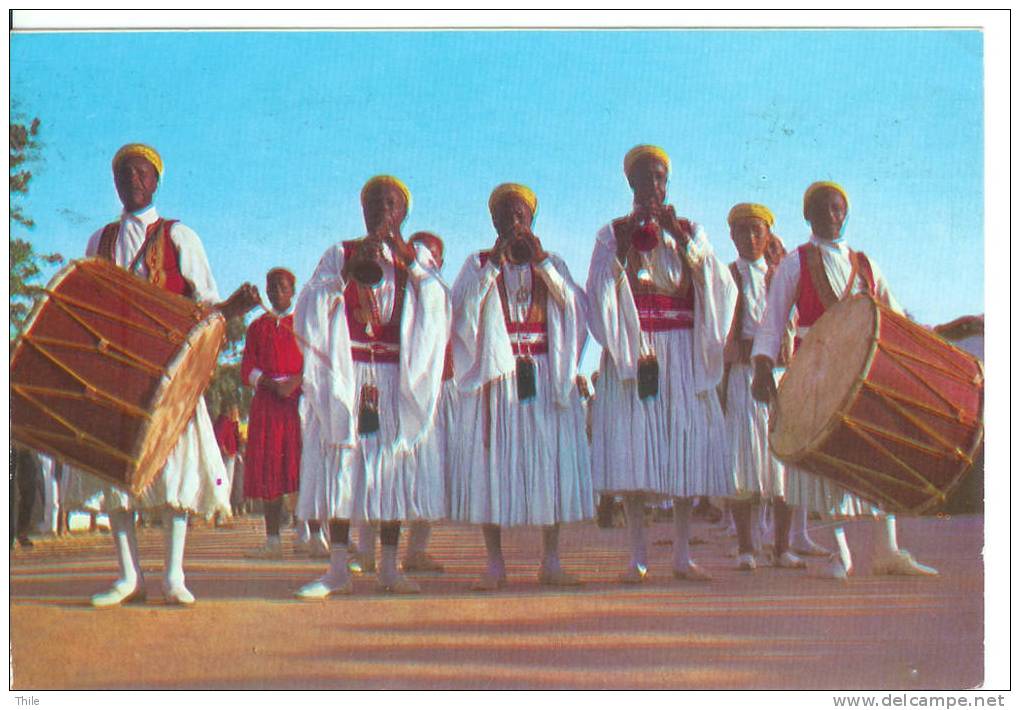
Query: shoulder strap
{"type": "Point", "coordinates": [107, 241]}
{"type": "Point", "coordinates": [738, 313]}
{"type": "Point", "coordinates": [863, 267]}
{"type": "Point", "coordinates": [816, 270]}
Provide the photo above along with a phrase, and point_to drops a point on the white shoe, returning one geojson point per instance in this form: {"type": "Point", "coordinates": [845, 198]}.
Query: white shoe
{"type": "Point", "coordinates": [746, 562]}
{"type": "Point", "coordinates": [901, 563]}
{"type": "Point", "coordinates": [835, 570]}
{"type": "Point", "coordinates": [323, 587]}
{"type": "Point", "coordinates": [119, 594]}
{"type": "Point", "coordinates": [788, 560]}
{"type": "Point", "coordinates": [360, 565]}
{"type": "Point", "coordinates": [177, 594]}
{"type": "Point", "coordinates": [692, 573]}
{"type": "Point", "coordinates": [399, 585]}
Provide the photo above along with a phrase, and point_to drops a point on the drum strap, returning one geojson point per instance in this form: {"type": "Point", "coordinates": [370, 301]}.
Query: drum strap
{"type": "Point", "coordinates": [818, 278]}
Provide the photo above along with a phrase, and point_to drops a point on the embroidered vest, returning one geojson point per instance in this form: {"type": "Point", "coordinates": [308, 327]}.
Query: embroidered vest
{"type": "Point", "coordinates": [381, 343]}
{"type": "Point", "coordinates": [814, 292]}
{"type": "Point", "coordinates": [527, 337]}
{"type": "Point", "coordinates": [162, 260]}
{"type": "Point", "coordinates": [659, 309]}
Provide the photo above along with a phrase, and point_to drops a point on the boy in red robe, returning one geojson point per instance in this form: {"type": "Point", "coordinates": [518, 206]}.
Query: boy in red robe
{"type": "Point", "coordinates": [228, 437]}
{"type": "Point", "coordinates": [272, 365]}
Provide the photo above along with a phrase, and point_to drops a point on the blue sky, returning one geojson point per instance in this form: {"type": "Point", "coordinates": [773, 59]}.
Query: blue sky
{"type": "Point", "coordinates": [267, 137]}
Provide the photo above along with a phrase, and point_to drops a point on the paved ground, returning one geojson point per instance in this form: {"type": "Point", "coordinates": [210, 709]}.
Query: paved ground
{"type": "Point", "coordinates": [768, 629]}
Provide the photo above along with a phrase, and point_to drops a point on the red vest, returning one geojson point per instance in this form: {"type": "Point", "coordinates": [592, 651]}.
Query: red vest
{"type": "Point", "coordinates": [814, 293]}
{"type": "Point", "coordinates": [527, 337]}
{"type": "Point", "coordinates": [161, 258]}
{"type": "Point", "coordinates": [383, 344]}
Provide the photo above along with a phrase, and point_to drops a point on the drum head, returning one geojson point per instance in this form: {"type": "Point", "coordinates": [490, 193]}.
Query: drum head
{"type": "Point", "coordinates": [824, 375]}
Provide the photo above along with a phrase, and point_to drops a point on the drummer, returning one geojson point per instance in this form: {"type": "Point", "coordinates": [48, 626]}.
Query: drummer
{"type": "Point", "coordinates": [373, 362]}
{"type": "Point", "coordinates": [194, 480]}
{"type": "Point", "coordinates": [825, 270]}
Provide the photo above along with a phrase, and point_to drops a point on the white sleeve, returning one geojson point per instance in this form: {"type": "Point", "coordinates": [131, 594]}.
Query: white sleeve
{"type": "Point", "coordinates": [882, 291]}
{"type": "Point", "coordinates": [92, 248]}
{"type": "Point", "coordinates": [194, 263]}
{"type": "Point", "coordinates": [778, 304]}
{"type": "Point", "coordinates": [481, 345]}
{"type": "Point", "coordinates": [612, 315]}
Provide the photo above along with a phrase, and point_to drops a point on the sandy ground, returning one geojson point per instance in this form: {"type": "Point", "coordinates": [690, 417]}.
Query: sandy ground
{"type": "Point", "coordinates": [768, 629]}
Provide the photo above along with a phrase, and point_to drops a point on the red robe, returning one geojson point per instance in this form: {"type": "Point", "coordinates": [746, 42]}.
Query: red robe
{"type": "Point", "coordinates": [227, 434]}
{"type": "Point", "coordinates": [273, 457]}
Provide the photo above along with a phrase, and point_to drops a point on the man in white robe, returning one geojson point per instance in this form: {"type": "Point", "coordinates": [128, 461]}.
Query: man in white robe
{"type": "Point", "coordinates": [760, 476]}
{"type": "Point", "coordinates": [521, 457]}
{"type": "Point", "coordinates": [193, 479]}
{"type": "Point", "coordinates": [660, 304]}
{"type": "Point", "coordinates": [373, 354]}
{"type": "Point", "coordinates": [826, 207]}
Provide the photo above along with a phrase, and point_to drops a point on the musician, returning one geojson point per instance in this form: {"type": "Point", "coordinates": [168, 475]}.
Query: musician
{"type": "Point", "coordinates": [430, 459]}
{"type": "Point", "coordinates": [372, 323]}
{"type": "Point", "coordinates": [760, 476]}
{"type": "Point", "coordinates": [271, 365]}
{"type": "Point", "coordinates": [821, 272]}
{"type": "Point", "coordinates": [169, 254]}
{"type": "Point", "coordinates": [661, 304]}
{"type": "Point", "coordinates": [518, 333]}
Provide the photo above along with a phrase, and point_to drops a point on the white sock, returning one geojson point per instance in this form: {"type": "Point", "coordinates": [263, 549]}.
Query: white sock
{"type": "Point", "coordinates": [337, 573]}
{"type": "Point", "coordinates": [273, 540]}
{"type": "Point", "coordinates": [175, 527]}
{"type": "Point", "coordinates": [125, 542]}
{"type": "Point", "coordinates": [388, 565]}
{"type": "Point", "coordinates": [798, 528]}
{"type": "Point", "coordinates": [551, 548]}
{"type": "Point", "coordinates": [303, 533]}
{"type": "Point", "coordinates": [418, 537]}
{"type": "Point", "coordinates": [681, 535]}
{"type": "Point", "coordinates": [634, 507]}
{"type": "Point", "coordinates": [885, 536]}
{"type": "Point", "coordinates": [844, 548]}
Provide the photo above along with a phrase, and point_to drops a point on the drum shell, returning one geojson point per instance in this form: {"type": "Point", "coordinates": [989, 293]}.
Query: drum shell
{"type": "Point", "coordinates": [910, 426]}
{"type": "Point", "coordinates": [108, 371]}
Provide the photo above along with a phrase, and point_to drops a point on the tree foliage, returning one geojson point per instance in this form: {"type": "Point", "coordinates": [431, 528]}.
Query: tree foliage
{"type": "Point", "coordinates": [226, 388]}
{"type": "Point", "coordinates": [25, 263]}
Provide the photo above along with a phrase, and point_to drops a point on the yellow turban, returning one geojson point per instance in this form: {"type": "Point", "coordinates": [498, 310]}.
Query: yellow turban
{"type": "Point", "coordinates": [637, 152]}
{"type": "Point", "coordinates": [142, 150]}
{"type": "Point", "coordinates": [513, 188]}
{"type": "Point", "coordinates": [751, 209]}
{"type": "Point", "coordinates": [387, 180]}
{"type": "Point", "coordinates": [816, 186]}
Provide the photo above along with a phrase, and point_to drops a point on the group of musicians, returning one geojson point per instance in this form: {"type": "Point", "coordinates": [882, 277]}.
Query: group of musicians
{"type": "Point", "coordinates": [384, 396]}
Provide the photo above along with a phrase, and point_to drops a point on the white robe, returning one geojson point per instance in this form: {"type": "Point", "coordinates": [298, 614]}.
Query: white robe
{"type": "Point", "coordinates": [536, 469]}
{"type": "Point", "coordinates": [344, 475]}
{"type": "Point", "coordinates": [747, 420]}
{"type": "Point", "coordinates": [194, 478]}
{"type": "Point", "coordinates": [672, 444]}
{"type": "Point", "coordinates": [804, 489]}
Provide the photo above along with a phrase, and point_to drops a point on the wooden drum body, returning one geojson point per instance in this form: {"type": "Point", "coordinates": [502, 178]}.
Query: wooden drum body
{"type": "Point", "coordinates": [881, 406]}
{"type": "Point", "coordinates": [109, 370]}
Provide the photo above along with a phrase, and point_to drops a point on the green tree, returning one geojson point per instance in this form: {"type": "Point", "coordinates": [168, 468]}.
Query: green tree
{"type": "Point", "coordinates": [25, 263]}
{"type": "Point", "coordinates": [226, 387]}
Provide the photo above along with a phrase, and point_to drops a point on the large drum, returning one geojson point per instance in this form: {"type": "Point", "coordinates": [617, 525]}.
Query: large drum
{"type": "Point", "coordinates": [881, 406]}
{"type": "Point", "coordinates": [109, 370]}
